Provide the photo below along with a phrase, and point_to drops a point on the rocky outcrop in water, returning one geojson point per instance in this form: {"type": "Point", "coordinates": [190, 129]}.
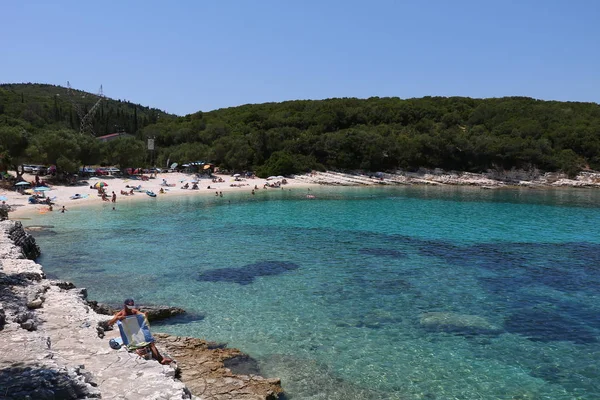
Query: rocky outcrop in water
{"type": "Point", "coordinates": [154, 313]}
{"type": "Point", "coordinates": [22, 240]}
{"type": "Point", "coordinates": [214, 372]}
{"type": "Point", "coordinates": [458, 323]}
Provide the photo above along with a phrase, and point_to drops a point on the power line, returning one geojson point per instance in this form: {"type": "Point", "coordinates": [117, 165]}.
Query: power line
{"type": "Point", "coordinates": [85, 119]}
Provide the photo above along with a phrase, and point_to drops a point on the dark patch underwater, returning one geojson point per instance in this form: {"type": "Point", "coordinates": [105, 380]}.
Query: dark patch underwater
{"type": "Point", "coordinates": [381, 252]}
{"type": "Point", "coordinates": [246, 274]}
{"type": "Point", "coordinates": [541, 325]}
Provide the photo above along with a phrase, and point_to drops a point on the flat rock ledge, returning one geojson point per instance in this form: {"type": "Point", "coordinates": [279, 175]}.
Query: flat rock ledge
{"type": "Point", "coordinates": [50, 347]}
{"type": "Point", "coordinates": [203, 369]}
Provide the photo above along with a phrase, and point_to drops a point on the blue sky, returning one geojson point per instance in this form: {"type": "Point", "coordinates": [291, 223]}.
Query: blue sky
{"type": "Point", "coordinates": [185, 56]}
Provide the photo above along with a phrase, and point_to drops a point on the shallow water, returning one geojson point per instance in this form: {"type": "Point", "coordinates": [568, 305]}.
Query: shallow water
{"type": "Point", "coordinates": [333, 294]}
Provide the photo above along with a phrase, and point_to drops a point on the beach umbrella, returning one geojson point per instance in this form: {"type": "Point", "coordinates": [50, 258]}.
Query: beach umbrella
{"type": "Point", "coordinates": [41, 189]}
{"type": "Point", "coordinates": [236, 175]}
{"type": "Point", "coordinates": [22, 183]}
{"type": "Point", "coordinates": [100, 184]}
{"type": "Point", "coordinates": [3, 198]}
{"type": "Point", "coordinates": [174, 165]}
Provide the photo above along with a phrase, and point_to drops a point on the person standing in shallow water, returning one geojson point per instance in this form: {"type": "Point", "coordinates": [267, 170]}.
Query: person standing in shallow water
{"type": "Point", "coordinates": [114, 197]}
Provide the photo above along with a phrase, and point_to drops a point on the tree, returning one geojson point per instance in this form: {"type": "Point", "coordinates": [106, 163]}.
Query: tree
{"type": "Point", "coordinates": [51, 146]}
{"type": "Point", "coordinates": [125, 152]}
{"type": "Point", "coordinates": [13, 145]}
{"type": "Point", "coordinates": [285, 163]}
{"type": "Point", "coordinates": [90, 150]}
{"type": "Point", "coordinates": [570, 163]}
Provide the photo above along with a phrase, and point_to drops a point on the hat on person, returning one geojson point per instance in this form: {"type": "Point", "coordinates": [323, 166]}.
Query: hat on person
{"type": "Point", "coordinates": [129, 302]}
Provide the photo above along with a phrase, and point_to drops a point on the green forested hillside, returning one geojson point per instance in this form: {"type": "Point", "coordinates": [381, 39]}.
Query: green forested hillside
{"type": "Point", "coordinates": [40, 106]}
{"type": "Point", "coordinates": [385, 133]}
{"type": "Point", "coordinates": [38, 124]}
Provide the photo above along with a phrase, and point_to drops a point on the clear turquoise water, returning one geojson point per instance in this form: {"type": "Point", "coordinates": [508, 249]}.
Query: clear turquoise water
{"type": "Point", "coordinates": [329, 294]}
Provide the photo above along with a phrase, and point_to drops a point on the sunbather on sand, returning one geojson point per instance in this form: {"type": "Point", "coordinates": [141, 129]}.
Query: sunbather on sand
{"type": "Point", "coordinates": [128, 309]}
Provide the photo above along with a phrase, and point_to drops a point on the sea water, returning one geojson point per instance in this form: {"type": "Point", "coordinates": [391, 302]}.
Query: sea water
{"type": "Point", "coordinates": [363, 293]}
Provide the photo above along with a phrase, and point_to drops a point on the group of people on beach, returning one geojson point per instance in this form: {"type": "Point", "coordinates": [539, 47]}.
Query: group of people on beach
{"type": "Point", "coordinates": [194, 186]}
{"type": "Point", "coordinates": [275, 184]}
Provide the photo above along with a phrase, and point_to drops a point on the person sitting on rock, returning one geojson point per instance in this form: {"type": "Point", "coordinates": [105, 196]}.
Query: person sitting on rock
{"type": "Point", "coordinates": [128, 310]}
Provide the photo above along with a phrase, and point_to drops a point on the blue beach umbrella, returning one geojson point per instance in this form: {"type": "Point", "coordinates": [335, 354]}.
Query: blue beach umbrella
{"type": "Point", "coordinates": [22, 183]}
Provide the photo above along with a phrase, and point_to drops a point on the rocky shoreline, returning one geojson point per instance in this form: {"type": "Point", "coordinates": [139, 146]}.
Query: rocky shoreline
{"type": "Point", "coordinates": [437, 177]}
{"type": "Point", "coordinates": [52, 345]}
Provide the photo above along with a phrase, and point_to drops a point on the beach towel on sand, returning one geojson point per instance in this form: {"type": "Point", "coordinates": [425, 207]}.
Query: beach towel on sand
{"type": "Point", "coordinates": [135, 332]}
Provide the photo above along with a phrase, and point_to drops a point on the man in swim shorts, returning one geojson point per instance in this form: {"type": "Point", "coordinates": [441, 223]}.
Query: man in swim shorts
{"type": "Point", "coordinates": [128, 309]}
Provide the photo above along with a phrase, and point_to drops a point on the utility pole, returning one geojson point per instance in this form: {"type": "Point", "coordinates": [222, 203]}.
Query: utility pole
{"type": "Point", "coordinates": [85, 119]}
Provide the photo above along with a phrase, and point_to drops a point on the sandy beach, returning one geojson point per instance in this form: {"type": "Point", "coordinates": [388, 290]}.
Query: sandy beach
{"type": "Point", "coordinates": [61, 195]}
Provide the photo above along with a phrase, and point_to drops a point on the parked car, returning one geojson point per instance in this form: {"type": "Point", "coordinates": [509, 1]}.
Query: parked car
{"type": "Point", "coordinates": [86, 171]}
{"type": "Point", "coordinates": [39, 170]}
{"type": "Point", "coordinates": [35, 169]}
{"type": "Point", "coordinates": [112, 171]}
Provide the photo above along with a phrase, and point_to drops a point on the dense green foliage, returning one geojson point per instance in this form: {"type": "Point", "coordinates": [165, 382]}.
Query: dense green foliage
{"type": "Point", "coordinates": [40, 125]}
{"type": "Point", "coordinates": [373, 134]}
{"type": "Point", "coordinates": [39, 106]}
{"type": "Point", "coordinates": [385, 133]}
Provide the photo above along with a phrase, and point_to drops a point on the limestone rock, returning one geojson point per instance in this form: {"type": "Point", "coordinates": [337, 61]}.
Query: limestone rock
{"type": "Point", "coordinates": [83, 293]}
{"type": "Point", "coordinates": [156, 313]}
{"type": "Point", "coordinates": [101, 308]}
{"type": "Point", "coordinates": [33, 304]}
{"type": "Point", "coordinates": [23, 240]}
{"type": "Point", "coordinates": [29, 325]}
{"type": "Point", "coordinates": [41, 383]}
{"type": "Point", "coordinates": [65, 285]}
{"type": "Point", "coordinates": [2, 317]}
{"type": "Point", "coordinates": [458, 323]}
{"type": "Point", "coordinates": [203, 370]}
{"type": "Point", "coordinates": [23, 316]}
